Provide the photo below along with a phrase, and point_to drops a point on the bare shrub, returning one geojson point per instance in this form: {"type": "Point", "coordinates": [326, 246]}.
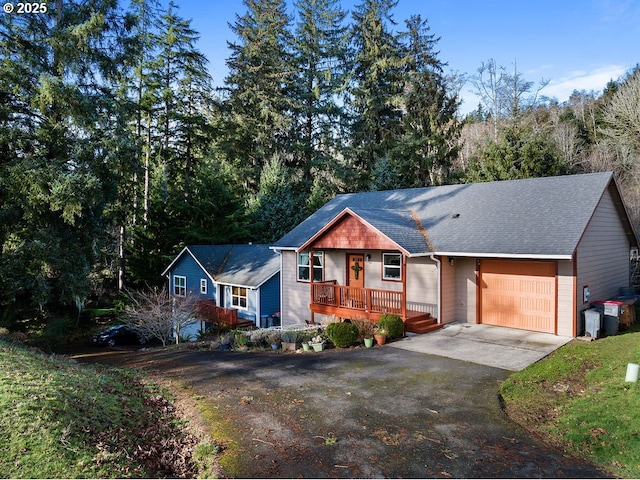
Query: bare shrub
{"type": "Point", "coordinates": [155, 314]}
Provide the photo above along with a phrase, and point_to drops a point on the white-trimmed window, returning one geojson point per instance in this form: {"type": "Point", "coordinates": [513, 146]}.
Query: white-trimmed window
{"type": "Point", "coordinates": [304, 268]}
{"type": "Point", "coordinates": [392, 266]}
{"type": "Point", "coordinates": [239, 297]}
{"type": "Point", "coordinates": [180, 285]}
{"type": "Point", "coordinates": [203, 286]}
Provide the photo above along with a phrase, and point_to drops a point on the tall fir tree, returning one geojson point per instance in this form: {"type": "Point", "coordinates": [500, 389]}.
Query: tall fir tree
{"type": "Point", "coordinates": [179, 135]}
{"type": "Point", "coordinates": [258, 90]}
{"type": "Point", "coordinates": [320, 54]}
{"type": "Point", "coordinates": [376, 87]}
{"type": "Point", "coordinates": [430, 128]}
{"type": "Point", "coordinates": [138, 89]}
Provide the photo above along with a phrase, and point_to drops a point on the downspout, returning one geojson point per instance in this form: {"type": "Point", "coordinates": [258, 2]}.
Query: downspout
{"type": "Point", "coordinates": [438, 263]}
{"type": "Point", "coordinates": [281, 280]}
{"type": "Point", "coordinates": [258, 308]}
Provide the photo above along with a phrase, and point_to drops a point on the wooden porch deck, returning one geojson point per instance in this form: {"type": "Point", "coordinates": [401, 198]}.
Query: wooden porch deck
{"type": "Point", "coordinates": [208, 311]}
{"type": "Point", "coordinates": [328, 298]}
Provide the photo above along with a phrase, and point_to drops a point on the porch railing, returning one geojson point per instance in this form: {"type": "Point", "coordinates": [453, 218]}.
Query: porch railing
{"type": "Point", "coordinates": [208, 310]}
{"type": "Point", "coordinates": [354, 298]}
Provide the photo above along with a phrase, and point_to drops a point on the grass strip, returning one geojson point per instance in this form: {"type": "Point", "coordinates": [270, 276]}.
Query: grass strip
{"type": "Point", "coordinates": [577, 399]}
{"type": "Point", "coordinates": [65, 420]}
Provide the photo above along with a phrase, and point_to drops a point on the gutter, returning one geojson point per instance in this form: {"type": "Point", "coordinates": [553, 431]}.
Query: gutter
{"type": "Point", "coordinates": [438, 263]}
{"type": "Point", "coordinates": [521, 256]}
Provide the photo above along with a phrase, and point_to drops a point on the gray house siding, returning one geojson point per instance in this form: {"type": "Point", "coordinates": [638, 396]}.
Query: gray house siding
{"type": "Point", "coordinates": [603, 255]}
{"type": "Point", "coordinates": [565, 290]}
{"type": "Point", "coordinates": [466, 290]}
{"type": "Point", "coordinates": [295, 295]}
{"type": "Point", "coordinates": [422, 285]}
{"type": "Point", "coordinates": [448, 290]}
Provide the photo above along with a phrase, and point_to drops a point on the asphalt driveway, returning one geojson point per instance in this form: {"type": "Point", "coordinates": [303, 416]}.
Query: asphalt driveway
{"type": "Point", "coordinates": [365, 413]}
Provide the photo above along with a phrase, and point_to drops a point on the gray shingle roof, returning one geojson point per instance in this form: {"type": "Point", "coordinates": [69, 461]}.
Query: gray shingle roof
{"type": "Point", "coordinates": [242, 265]}
{"type": "Point", "coordinates": [536, 216]}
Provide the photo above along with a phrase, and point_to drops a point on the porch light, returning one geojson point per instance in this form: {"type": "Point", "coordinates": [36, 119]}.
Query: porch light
{"type": "Point", "coordinates": [368, 257]}
{"type": "Point", "coordinates": [452, 261]}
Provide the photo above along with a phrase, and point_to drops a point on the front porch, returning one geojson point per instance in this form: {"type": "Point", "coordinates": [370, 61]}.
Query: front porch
{"type": "Point", "coordinates": [208, 311]}
{"type": "Point", "coordinates": [329, 298]}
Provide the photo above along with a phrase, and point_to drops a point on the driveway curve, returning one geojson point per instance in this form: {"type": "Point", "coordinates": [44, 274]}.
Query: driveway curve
{"type": "Point", "coordinates": [358, 413]}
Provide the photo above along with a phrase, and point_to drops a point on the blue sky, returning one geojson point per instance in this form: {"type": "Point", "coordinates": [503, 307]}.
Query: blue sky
{"type": "Point", "coordinates": [575, 44]}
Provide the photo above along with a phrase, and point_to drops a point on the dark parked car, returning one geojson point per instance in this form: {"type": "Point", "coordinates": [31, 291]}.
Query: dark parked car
{"type": "Point", "coordinates": [118, 335]}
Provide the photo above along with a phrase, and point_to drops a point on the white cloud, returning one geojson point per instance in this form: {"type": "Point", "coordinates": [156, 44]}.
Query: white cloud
{"type": "Point", "coordinates": [595, 79]}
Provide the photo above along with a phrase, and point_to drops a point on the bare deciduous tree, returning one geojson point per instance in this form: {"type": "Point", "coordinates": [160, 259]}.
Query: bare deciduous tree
{"type": "Point", "coordinates": [622, 114]}
{"type": "Point", "coordinates": [505, 95]}
{"type": "Point", "coordinates": [155, 314]}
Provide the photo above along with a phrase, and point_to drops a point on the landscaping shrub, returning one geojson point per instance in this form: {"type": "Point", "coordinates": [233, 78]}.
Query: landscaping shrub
{"type": "Point", "coordinates": [342, 334]}
{"type": "Point", "coordinates": [292, 336]}
{"type": "Point", "coordinates": [393, 324]}
{"type": "Point", "coordinates": [366, 328]}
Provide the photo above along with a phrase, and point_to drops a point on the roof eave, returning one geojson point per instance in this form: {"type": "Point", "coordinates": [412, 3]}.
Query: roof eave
{"type": "Point", "coordinates": [168, 269]}
{"type": "Point", "coordinates": [195, 259]}
{"type": "Point", "coordinates": [515, 256]}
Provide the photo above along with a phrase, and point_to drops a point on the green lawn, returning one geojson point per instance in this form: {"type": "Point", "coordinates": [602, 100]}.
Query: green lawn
{"type": "Point", "coordinates": [578, 399]}
{"type": "Point", "coordinates": [64, 420]}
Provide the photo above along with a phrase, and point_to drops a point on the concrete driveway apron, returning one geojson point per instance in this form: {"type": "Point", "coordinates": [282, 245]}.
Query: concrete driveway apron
{"type": "Point", "coordinates": [500, 347]}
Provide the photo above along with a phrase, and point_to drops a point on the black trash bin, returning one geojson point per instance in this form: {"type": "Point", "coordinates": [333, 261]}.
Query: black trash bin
{"type": "Point", "coordinates": [610, 311]}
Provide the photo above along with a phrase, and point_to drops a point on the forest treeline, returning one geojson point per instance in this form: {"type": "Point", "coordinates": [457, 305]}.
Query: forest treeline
{"type": "Point", "coordinates": [116, 150]}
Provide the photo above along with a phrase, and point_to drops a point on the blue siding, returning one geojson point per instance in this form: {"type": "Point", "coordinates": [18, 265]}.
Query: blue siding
{"type": "Point", "coordinates": [270, 296]}
{"type": "Point", "coordinates": [187, 267]}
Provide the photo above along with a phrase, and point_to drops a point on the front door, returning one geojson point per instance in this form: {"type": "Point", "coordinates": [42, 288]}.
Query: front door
{"type": "Point", "coordinates": [355, 280]}
{"type": "Point", "coordinates": [356, 270]}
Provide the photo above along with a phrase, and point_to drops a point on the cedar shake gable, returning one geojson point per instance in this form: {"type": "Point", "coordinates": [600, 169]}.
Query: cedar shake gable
{"type": "Point", "coordinates": [349, 231]}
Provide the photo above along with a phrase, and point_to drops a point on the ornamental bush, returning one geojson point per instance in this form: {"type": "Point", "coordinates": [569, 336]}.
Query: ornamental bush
{"type": "Point", "coordinates": [393, 325]}
{"type": "Point", "coordinates": [342, 334]}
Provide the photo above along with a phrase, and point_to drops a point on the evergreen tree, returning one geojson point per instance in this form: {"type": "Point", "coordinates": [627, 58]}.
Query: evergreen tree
{"type": "Point", "coordinates": [213, 213]}
{"type": "Point", "coordinates": [138, 91]}
{"type": "Point", "coordinates": [185, 94]}
{"type": "Point", "coordinates": [56, 74]}
{"type": "Point", "coordinates": [430, 129]}
{"type": "Point", "coordinates": [520, 152]}
{"type": "Point", "coordinates": [278, 205]}
{"type": "Point", "coordinates": [320, 58]}
{"type": "Point", "coordinates": [258, 90]}
{"type": "Point", "coordinates": [377, 87]}
{"type": "Point", "coordinates": [180, 96]}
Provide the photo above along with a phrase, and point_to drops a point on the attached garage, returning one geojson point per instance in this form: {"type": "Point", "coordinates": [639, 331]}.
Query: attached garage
{"type": "Point", "coordinates": [518, 294]}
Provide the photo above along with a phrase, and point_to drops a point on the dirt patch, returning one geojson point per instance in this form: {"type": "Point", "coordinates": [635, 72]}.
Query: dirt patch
{"type": "Point", "coordinates": [380, 412]}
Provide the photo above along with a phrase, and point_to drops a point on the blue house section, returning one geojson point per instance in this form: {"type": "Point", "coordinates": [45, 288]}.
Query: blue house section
{"type": "Point", "coordinates": [194, 274]}
{"type": "Point", "coordinates": [270, 296]}
{"type": "Point", "coordinates": [215, 272]}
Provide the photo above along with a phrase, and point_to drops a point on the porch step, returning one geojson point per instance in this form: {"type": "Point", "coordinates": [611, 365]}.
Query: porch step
{"type": "Point", "coordinates": [421, 325]}
{"type": "Point", "coordinates": [242, 323]}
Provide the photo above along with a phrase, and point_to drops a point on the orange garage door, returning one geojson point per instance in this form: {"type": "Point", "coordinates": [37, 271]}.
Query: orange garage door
{"type": "Point", "coordinates": [518, 294]}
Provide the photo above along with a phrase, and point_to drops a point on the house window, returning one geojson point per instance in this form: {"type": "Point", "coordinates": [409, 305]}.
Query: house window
{"type": "Point", "coordinates": [203, 286]}
{"type": "Point", "coordinates": [180, 285]}
{"type": "Point", "coordinates": [392, 266]}
{"type": "Point", "coordinates": [239, 297]}
{"type": "Point", "coordinates": [304, 267]}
